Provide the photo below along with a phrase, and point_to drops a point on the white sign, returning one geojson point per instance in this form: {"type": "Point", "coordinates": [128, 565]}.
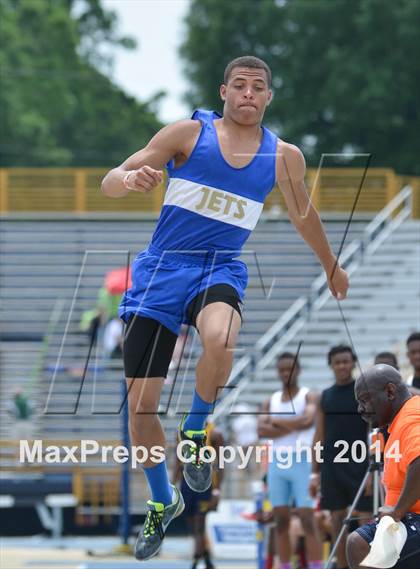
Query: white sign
{"type": "Point", "coordinates": [232, 536]}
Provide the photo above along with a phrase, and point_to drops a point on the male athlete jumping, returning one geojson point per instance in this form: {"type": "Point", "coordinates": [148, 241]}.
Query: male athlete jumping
{"type": "Point", "coordinates": [220, 170]}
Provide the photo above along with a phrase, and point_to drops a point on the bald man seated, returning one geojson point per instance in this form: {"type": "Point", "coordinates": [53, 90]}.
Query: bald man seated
{"type": "Point", "coordinates": [384, 400]}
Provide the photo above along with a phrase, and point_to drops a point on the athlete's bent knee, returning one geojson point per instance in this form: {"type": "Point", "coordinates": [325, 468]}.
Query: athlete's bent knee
{"type": "Point", "coordinates": [217, 345]}
{"type": "Point", "coordinates": [142, 403]}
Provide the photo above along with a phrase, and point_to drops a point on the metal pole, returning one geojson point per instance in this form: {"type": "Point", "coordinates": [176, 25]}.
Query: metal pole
{"type": "Point", "coordinates": [125, 522]}
{"type": "Point", "coordinates": [260, 533]}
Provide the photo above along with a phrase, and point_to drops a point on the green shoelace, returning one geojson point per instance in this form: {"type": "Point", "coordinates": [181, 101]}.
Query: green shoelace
{"type": "Point", "coordinates": [153, 522]}
{"type": "Point", "coordinates": [195, 451]}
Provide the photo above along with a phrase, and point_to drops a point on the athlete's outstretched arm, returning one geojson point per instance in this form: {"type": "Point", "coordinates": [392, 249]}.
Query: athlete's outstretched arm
{"type": "Point", "coordinates": [144, 168]}
{"type": "Point", "coordinates": [290, 177]}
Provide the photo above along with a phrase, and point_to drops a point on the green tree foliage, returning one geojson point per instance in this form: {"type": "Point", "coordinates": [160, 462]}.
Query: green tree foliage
{"type": "Point", "coordinates": [346, 76]}
{"type": "Point", "coordinates": [57, 105]}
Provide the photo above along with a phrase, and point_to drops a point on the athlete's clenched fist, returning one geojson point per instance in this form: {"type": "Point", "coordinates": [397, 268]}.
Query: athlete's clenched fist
{"type": "Point", "coordinates": [145, 179]}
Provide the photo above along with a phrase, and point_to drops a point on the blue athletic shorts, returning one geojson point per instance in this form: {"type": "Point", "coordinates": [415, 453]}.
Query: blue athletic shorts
{"type": "Point", "coordinates": [164, 283]}
{"type": "Point", "coordinates": [410, 553]}
{"type": "Point", "coordinates": [289, 486]}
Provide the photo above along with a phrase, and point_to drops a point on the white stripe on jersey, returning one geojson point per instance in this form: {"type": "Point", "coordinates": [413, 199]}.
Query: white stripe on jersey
{"type": "Point", "coordinates": [213, 203]}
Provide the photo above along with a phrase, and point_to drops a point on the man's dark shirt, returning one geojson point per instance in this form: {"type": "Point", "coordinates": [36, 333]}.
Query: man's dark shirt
{"type": "Point", "coordinates": [416, 382]}
{"type": "Point", "coordinates": [342, 421]}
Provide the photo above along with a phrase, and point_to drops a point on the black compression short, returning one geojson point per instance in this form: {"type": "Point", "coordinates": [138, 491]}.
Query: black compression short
{"type": "Point", "coordinates": [216, 293]}
{"type": "Point", "coordinates": [149, 345]}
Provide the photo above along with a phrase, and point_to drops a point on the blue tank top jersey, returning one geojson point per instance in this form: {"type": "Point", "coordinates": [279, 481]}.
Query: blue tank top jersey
{"type": "Point", "coordinates": [209, 205]}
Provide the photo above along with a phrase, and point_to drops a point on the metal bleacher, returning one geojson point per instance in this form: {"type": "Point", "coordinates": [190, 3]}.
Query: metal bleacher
{"type": "Point", "coordinates": [381, 310]}
{"type": "Point", "coordinates": [52, 270]}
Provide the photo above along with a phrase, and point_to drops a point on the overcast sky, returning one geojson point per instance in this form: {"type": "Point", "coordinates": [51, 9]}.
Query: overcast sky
{"type": "Point", "coordinates": [154, 65]}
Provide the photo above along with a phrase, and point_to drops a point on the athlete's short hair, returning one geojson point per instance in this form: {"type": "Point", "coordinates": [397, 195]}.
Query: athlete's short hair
{"type": "Point", "coordinates": [289, 356]}
{"type": "Point", "coordinates": [247, 61]}
{"type": "Point", "coordinates": [388, 356]}
{"type": "Point", "coordinates": [340, 349]}
{"type": "Point", "coordinates": [414, 337]}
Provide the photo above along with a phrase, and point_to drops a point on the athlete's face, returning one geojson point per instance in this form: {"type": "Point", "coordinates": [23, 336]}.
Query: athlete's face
{"type": "Point", "coordinates": [413, 354]}
{"type": "Point", "coordinates": [342, 365]}
{"type": "Point", "coordinates": [288, 372]}
{"type": "Point", "coordinates": [246, 95]}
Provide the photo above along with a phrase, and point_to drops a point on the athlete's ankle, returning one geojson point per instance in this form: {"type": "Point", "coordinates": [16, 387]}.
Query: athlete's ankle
{"type": "Point", "coordinates": [158, 481]}
{"type": "Point", "coordinates": [197, 417]}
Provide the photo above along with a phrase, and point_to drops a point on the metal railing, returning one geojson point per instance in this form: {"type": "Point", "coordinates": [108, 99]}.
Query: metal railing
{"type": "Point", "coordinates": [385, 222]}
{"type": "Point", "coordinates": [294, 319]}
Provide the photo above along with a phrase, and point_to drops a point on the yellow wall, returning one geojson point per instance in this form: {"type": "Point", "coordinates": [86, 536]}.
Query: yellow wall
{"type": "Point", "coordinates": [78, 190]}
